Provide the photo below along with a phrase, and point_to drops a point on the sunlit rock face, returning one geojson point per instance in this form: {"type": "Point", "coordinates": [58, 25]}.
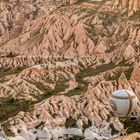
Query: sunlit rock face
{"type": "Point", "coordinates": [59, 63]}
{"type": "Point", "coordinates": [133, 5]}
{"type": "Point", "coordinates": [65, 2]}
{"type": "Point", "coordinates": [134, 136]}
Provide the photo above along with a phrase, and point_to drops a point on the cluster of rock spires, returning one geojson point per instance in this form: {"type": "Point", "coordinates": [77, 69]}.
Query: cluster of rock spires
{"type": "Point", "coordinates": [13, 13]}
{"type": "Point", "coordinates": [51, 118]}
{"type": "Point", "coordinates": [133, 5]}
{"type": "Point", "coordinates": [64, 59]}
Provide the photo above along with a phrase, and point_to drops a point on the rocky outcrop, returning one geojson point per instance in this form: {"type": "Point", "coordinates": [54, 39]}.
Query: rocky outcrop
{"type": "Point", "coordinates": [55, 35]}
{"type": "Point", "coordinates": [59, 64]}
{"type": "Point", "coordinates": [134, 136]}
{"type": "Point", "coordinates": [135, 74]}
{"type": "Point", "coordinates": [93, 106]}
{"type": "Point", "coordinates": [133, 5]}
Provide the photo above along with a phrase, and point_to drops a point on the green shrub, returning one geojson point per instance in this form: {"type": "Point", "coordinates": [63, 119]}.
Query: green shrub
{"type": "Point", "coordinates": [70, 123]}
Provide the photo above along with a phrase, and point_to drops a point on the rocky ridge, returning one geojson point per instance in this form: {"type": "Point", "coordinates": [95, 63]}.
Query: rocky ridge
{"type": "Point", "coordinates": [64, 62]}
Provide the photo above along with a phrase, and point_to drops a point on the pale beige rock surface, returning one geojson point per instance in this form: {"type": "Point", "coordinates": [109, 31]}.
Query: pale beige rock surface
{"type": "Point", "coordinates": [134, 136]}
{"type": "Point", "coordinates": [60, 60]}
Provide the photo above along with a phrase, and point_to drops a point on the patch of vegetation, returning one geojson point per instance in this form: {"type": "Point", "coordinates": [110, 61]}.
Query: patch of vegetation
{"type": "Point", "coordinates": [12, 71]}
{"type": "Point", "coordinates": [6, 129]}
{"type": "Point", "coordinates": [82, 87]}
{"type": "Point", "coordinates": [75, 137]}
{"type": "Point", "coordinates": [109, 19]}
{"type": "Point", "coordinates": [60, 86]}
{"type": "Point", "coordinates": [2, 80]}
{"type": "Point", "coordinates": [81, 0]}
{"type": "Point", "coordinates": [129, 72]}
{"type": "Point", "coordinates": [111, 49]}
{"type": "Point", "coordinates": [77, 91]}
{"type": "Point", "coordinates": [115, 77]}
{"type": "Point", "coordinates": [47, 91]}
{"type": "Point", "coordinates": [136, 15]}
{"type": "Point", "coordinates": [11, 55]}
{"type": "Point", "coordinates": [39, 85]}
{"type": "Point", "coordinates": [85, 126]}
{"type": "Point", "coordinates": [48, 94]}
{"type": "Point", "coordinates": [41, 124]}
{"type": "Point", "coordinates": [132, 126]}
{"type": "Point", "coordinates": [92, 72]}
{"type": "Point", "coordinates": [10, 107]}
{"type": "Point", "coordinates": [114, 131]}
{"type": "Point", "coordinates": [118, 74]}
{"type": "Point", "coordinates": [70, 123]}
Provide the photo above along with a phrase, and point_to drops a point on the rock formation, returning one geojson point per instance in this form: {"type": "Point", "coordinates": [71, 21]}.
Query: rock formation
{"type": "Point", "coordinates": [133, 5]}
{"type": "Point", "coordinates": [134, 136]}
{"type": "Point", "coordinates": [60, 60]}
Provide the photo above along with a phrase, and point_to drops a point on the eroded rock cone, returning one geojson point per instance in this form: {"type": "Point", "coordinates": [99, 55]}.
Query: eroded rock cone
{"type": "Point", "coordinates": [84, 51]}
{"type": "Point", "coordinates": [136, 73]}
